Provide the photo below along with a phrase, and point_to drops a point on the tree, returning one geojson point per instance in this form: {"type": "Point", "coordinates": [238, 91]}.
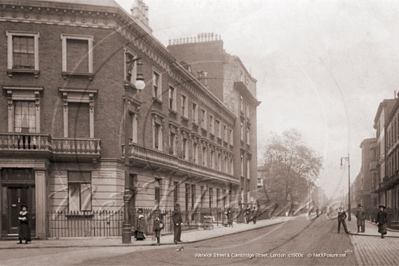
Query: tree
{"type": "Point", "coordinates": [290, 168]}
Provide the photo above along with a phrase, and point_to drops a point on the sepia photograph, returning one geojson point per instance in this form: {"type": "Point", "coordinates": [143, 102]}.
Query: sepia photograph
{"type": "Point", "coordinates": [199, 132]}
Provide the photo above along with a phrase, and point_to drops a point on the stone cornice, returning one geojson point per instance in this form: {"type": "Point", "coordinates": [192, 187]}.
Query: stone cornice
{"type": "Point", "coordinates": [92, 16]}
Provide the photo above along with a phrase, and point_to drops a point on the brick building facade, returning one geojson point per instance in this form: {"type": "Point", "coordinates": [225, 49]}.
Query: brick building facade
{"type": "Point", "coordinates": [67, 70]}
{"type": "Point", "coordinates": [216, 69]}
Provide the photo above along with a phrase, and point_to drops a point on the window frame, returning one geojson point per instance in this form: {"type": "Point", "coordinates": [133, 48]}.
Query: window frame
{"type": "Point", "coordinates": [78, 96]}
{"type": "Point", "coordinates": [195, 152]}
{"type": "Point", "coordinates": [159, 85]}
{"type": "Point", "coordinates": [10, 52]}
{"type": "Point", "coordinates": [173, 98]}
{"type": "Point", "coordinates": [184, 105]}
{"type": "Point", "coordinates": [204, 156]}
{"type": "Point", "coordinates": [134, 74]}
{"type": "Point", "coordinates": [203, 118]}
{"type": "Point", "coordinates": [225, 132]}
{"type": "Point", "coordinates": [90, 40]}
{"type": "Point", "coordinates": [134, 126]}
{"type": "Point", "coordinates": [159, 137]}
{"type": "Point", "coordinates": [248, 132]}
{"type": "Point", "coordinates": [23, 94]}
{"type": "Point", "coordinates": [217, 127]}
{"type": "Point", "coordinates": [194, 110]}
{"type": "Point", "coordinates": [242, 131]}
{"type": "Point", "coordinates": [242, 165]}
{"type": "Point", "coordinates": [80, 191]}
{"type": "Point", "coordinates": [172, 140]}
{"type": "Point", "coordinates": [212, 124]}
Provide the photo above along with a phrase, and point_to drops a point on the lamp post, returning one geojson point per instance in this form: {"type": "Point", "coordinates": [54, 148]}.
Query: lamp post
{"type": "Point", "coordinates": [349, 186]}
{"type": "Point", "coordinates": [126, 231]}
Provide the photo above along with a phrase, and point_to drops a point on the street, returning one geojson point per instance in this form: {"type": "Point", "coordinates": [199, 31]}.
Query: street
{"type": "Point", "coordinates": [289, 243]}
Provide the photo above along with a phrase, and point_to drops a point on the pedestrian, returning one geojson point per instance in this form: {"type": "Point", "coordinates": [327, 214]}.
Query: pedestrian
{"type": "Point", "coordinates": [226, 219]}
{"type": "Point", "coordinates": [177, 223]}
{"type": "Point", "coordinates": [140, 228]}
{"type": "Point", "coordinates": [158, 226]}
{"type": "Point", "coordinates": [361, 216]}
{"type": "Point", "coordinates": [247, 214]}
{"type": "Point", "coordinates": [24, 230]}
{"type": "Point", "coordinates": [254, 215]}
{"type": "Point", "coordinates": [230, 218]}
{"type": "Point", "coordinates": [341, 219]}
{"type": "Point", "coordinates": [382, 221]}
{"type": "Point", "coordinates": [317, 211]}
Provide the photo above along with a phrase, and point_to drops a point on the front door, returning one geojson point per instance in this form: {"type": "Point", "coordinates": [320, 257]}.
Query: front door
{"type": "Point", "coordinates": [14, 197]}
{"type": "Point", "coordinates": [17, 196]}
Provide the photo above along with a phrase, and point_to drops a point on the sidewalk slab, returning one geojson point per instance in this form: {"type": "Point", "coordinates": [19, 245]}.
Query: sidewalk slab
{"type": "Point", "coordinates": [370, 248]}
{"type": "Point", "coordinates": [187, 237]}
{"type": "Point", "coordinates": [371, 229]}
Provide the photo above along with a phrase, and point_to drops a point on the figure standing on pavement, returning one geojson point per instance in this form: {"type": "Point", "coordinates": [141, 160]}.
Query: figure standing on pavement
{"type": "Point", "coordinates": [177, 223]}
{"type": "Point", "coordinates": [24, 230]}
{"type": "Point", "coordinates": [226, 219]}
{"type": "Point", "coordinates": [254, 215]}
{"type": "Point", "coordinates": [247, 214]}
{"type": "Point", "coordinates": [361, 216]}
{"type": "Point", "coordinates": [382, 221]}
{"type": "Point", "coordinates": [158, 226]}
{"type": "Point", "coordinates": [140, 228]}
{"type": "Point", "coordinates": [317, 211]}
{"type": "Point", "coordinates": [341, 219]}
{"type": "Point", "coordinates": [230, 218]}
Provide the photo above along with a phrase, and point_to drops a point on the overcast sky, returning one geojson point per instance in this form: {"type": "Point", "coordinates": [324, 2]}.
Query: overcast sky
{"type": "Point", "coordinates": [322, 67]}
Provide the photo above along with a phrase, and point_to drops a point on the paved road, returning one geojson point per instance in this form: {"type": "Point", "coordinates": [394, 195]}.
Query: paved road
{"type": "Point", "coordinates": [298, 237]}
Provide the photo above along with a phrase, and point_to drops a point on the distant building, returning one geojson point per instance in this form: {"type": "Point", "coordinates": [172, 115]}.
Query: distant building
{"type": "Point", "coordinates": [380, 125]}
{"type": "Point", "coordinates": [363, 188]}
{"type": "Point", "coordinates": [229, 80]}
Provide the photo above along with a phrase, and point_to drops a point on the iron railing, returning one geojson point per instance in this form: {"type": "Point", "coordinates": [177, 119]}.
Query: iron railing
{"type": "Point", "coordinates": [110, 223]}
{"type": "Point", "coordinates": [85, 224]}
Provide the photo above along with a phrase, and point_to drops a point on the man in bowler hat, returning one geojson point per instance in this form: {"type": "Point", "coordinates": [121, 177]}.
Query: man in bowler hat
{"type": "Point", "coordinates": [177, 223]}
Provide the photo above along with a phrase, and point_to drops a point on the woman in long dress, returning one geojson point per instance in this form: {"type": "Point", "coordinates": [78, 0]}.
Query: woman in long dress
{"type": "Point", "coordinates": [24, 230]}
{"type": "Point", "coordinates": [140, 228]}
{"type": "Point", "coordinates": [382, 221]}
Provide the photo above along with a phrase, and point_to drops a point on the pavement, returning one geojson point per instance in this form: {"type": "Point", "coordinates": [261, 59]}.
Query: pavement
{"type": "Point", "coordinates": [187, 237]}
{"type": "Point", "coordinates": [370, 248]}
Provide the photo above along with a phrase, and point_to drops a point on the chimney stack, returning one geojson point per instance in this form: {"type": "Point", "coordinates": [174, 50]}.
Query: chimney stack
{"type": "Point", "coordinates": [139, 13]}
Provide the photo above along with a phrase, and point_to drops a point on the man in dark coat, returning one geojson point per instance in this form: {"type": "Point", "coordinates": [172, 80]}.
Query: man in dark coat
{"type": "Point", "coordinates": [247, 214]}
{"type": "Point", "coordinates": [177, 223]}
{"type": "Point", "coordinates": [341, 219]}
{"type": "Point", "coordinates": [382, 221]}
{"type": "Point", "coordinates": [254, 215]}
{"type": "Point", "coordinates": [140, 228]}
{"type": "Point", "coordinates": [361, 216]}
{"type": "Point", "coordinates": [24, 230]}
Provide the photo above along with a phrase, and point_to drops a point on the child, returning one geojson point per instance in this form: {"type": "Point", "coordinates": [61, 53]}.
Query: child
{"type": "Point", "coordinates": [158, 226]}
